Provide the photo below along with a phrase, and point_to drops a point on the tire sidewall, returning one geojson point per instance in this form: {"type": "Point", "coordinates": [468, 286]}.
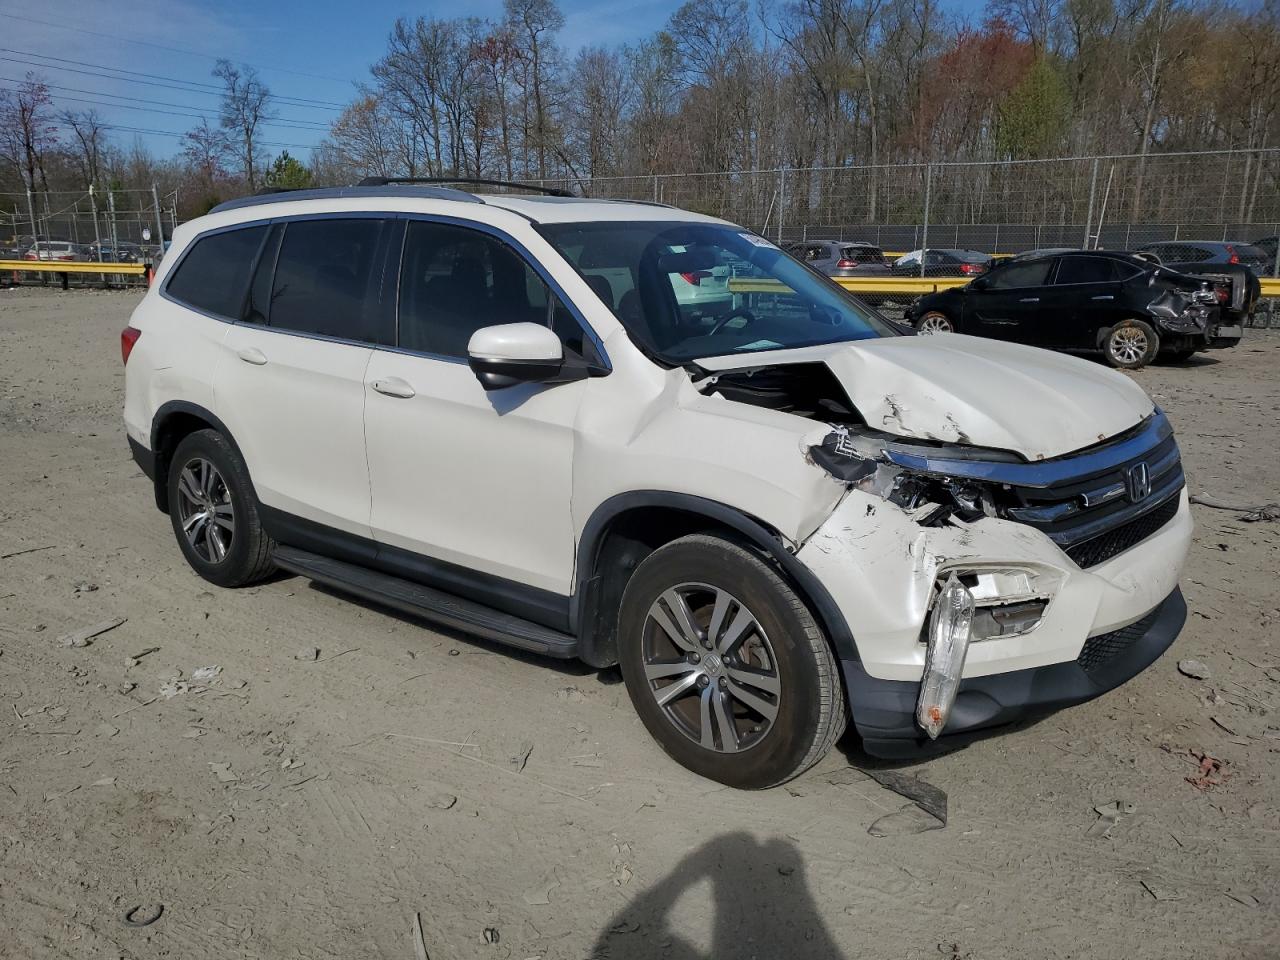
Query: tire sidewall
{"type": "Point", "coordinates": [777, 756]}
{"type": "Point", "coordinates": [214, 448]}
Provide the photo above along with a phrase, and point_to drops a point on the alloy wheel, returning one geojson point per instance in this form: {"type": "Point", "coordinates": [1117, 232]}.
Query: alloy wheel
{"type": "Point", "coordinates": [934, 323]}
{"type": "Point", "coordinates": [1128, 345]}
{"type": "Point", "coordinates": [205, 510]}
{"type": "Point", "coordinates": [711, 667]}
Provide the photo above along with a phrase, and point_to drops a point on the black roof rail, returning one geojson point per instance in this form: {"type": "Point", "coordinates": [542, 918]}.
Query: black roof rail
{"type": "Point", "coordinates": [334, 193]}
{"type": "Point", "coordinates": [479, 181]}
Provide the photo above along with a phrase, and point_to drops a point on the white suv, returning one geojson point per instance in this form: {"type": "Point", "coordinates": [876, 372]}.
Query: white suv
{"type": "Point", "coordinates": [492, 410]}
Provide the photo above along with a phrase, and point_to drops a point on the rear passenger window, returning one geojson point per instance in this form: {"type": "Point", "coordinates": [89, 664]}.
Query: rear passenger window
{"type": "Point", "coordinates": [453, 281]}
{"type": "Point", "coordinates": [1085, 270]}
{"type": "Point", "coordinates": [214, 274]}
{"type": "Point", "coordinates": [326, 279]}
{"type": "Point", "coordinates": [1031, 274]}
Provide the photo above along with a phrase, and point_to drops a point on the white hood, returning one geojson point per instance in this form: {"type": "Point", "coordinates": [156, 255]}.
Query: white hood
{"type": "Point", "coordinates": [960, 389]}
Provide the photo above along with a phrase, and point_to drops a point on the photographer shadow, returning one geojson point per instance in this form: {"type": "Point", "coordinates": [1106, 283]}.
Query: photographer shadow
{"type": "Point", "coordinates": [761, 901]}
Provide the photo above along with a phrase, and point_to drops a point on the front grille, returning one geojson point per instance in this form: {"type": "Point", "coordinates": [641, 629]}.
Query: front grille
{"type": "Point", "coordinates": [1119, 539]}
{"type": "Point", "coordinates": [1095, 516]}
{"type": "Point", "coordinates": [1100, 650]}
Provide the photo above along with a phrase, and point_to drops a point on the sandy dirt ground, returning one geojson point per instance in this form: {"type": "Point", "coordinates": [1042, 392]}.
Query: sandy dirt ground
{"type": "Point", "coordinates": [290, 808]}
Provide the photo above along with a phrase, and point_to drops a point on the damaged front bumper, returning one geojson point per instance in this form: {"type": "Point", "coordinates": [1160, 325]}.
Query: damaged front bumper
{"type": "Point", "coordinates": [1056, 558]}
{"type": "Point", "coordinates": [884, 711]}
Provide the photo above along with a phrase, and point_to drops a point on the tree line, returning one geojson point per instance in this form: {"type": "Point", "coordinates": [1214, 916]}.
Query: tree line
{"type": "Point", "coordinates": [727, 86]}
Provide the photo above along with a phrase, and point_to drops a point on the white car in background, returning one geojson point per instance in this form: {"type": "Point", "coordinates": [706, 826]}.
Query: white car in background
{"type": "Point", "coordinates": [497, 412]}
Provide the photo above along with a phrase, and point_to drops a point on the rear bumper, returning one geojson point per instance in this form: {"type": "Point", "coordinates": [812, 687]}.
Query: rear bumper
{"type": "Point", "coordinates": [144, 458]}
{"type": "Point", "coordinates": [884, 710]}
{"type": "Point", "coordinates": [1224, 336]}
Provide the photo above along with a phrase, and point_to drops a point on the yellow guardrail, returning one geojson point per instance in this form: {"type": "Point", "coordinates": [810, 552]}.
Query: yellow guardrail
{"type": "Point", "coordinates": [72, 266]}
{"type": "Point", "coordinates": [916, 286]}
{"type": "Point", "coordinates": [911, 285]}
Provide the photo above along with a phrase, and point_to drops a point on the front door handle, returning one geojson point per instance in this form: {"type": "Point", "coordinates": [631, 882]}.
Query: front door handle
{"type": "Point", "coordinates": [253, 355]}
{"type": "Point", "coordinates": [1029, 300]}
{"type": "Point", "coordinates": [1106, 297]}
{"type": "Point", "coordinates": [394, 387]}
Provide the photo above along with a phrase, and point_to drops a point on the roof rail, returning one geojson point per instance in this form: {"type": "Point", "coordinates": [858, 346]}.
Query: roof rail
{"type": "Point", "coordinates": [332, 193]}
{"type": "Point", "coordinates": [479, 181]}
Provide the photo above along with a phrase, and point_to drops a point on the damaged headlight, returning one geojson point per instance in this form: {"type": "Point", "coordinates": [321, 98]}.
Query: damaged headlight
{"type": "Point", "coordinates": [864, 462]}
{"type": "Point", "coordinates": [1009, 601]}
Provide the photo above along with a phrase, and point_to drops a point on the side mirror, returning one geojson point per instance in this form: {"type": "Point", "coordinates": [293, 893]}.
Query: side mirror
{"type": "Point", "coordinates": [510, 353]}
{"type": "Point", "coordinates": [977, 283]}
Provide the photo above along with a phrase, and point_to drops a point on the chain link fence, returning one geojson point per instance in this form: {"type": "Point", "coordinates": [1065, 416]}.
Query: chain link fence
{"type": "Point", "coordinates": [116, 226]}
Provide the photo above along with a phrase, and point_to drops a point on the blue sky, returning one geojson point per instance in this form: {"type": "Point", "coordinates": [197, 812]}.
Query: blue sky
{"type": "Point", "coordinates": [309, 51]}
{"type": "Point", "coordinates": [312, 51]}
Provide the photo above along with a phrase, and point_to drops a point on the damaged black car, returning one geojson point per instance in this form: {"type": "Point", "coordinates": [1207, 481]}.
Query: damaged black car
{"type": "Point", "coordinates": [1129, 309]}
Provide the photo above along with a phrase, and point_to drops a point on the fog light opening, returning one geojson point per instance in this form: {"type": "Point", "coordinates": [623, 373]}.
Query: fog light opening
{"type": "Point", "coordinates": [949, 633]}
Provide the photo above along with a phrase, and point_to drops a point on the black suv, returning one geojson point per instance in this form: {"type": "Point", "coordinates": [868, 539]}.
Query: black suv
{"type": "Point", "coordinates": [1128, 308]}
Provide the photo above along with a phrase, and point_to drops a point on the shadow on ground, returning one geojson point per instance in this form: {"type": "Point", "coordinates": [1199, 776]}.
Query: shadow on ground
{"type": "Point", "coordinates": [760, 900]}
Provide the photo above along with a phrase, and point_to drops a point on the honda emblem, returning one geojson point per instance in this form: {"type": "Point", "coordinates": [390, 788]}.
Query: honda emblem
{"type": "Point", "coordinates": [1138, 482]}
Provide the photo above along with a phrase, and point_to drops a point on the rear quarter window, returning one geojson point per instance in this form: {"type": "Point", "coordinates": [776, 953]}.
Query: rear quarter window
{"type": "Point", "coordinates": [214, 275]}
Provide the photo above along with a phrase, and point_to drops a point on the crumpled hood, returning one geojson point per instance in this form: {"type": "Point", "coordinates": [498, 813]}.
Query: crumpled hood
{"type": "Point", "coordinates": [970, 390]}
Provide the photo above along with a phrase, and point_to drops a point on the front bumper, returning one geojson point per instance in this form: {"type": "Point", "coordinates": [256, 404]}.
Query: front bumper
{"type": "Point", "coordinates": [884, 710]}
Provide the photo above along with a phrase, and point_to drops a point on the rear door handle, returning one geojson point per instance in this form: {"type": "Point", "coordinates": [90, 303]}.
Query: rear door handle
{"type": "Point", "coordinates": [253, 355]}
{"type": "Point", "coordinates": [1107, 297]}
{"type": "Point", "coordinates": [394, 387]}
{"type": "Point", "coordinates": [1029, 300]}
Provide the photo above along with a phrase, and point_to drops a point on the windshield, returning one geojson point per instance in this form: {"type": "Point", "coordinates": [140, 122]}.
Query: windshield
{"type": "Point", "coordinates": [690, 290]}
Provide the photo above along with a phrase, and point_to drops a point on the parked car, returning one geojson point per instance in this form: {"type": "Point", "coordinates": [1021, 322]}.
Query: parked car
{"type": "Point", "coordinates": [1084, 301]}
{"type": "Point", "coordinates": [1207, 252]}
{"type": "Point", "coordinates": [104, 251]}
{"type": "Point", "coordinates": [841, 258]}
{"type": "Point", "coordinates": [942, 263]}
{"type": "Point", "coordinates": [55, 250]}
{"type": "Point", "coordinates": [500, 418]}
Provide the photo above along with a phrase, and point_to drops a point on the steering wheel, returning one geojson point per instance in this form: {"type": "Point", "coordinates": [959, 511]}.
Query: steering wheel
{"type": "Point", "coordinates": [736, 312]}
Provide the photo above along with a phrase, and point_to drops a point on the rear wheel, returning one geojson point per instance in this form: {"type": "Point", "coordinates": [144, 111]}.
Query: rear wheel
{"type": "Point", "coordinates": [726, 666]}
{"type": "Point", "coordinates": [1131, 344]}
{"type": "Point", "coordinates": [935, 322]}
{"type": "Point", "coordinates": [214, 512]}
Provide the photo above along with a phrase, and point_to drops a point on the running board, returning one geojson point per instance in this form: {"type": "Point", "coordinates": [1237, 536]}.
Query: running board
{"type": "Point", "coordinates": [429, 603]}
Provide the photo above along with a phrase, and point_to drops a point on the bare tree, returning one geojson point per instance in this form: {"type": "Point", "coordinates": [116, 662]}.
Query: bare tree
{"type": "Point", "coordinates": [27, 129]}
{"type": "Point", "coordinates": [534, 23]}
{"type": "Point", "coordinates": [90, 135]}
{"type": "Point", "coordinates": [246, 103]}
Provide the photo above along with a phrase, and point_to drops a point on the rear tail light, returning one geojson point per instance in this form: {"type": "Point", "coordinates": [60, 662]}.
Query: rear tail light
{"type": "Point", "coordinates": [1232, 257]}
{"type": "Point", "coordinates": [971, 268]}
{"type": "Point", "coordinates": [128, 337]}
{"type": "Point", "coordinates": [694, 279]}
{"type": "Point", "coordinates": [845, 264]}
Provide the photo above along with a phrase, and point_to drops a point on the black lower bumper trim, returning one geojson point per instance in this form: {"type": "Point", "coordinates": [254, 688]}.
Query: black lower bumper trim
{"type": "Point", "coordinates": [144, 458]}
{"type": "Point", "coordinates": [884, 710]}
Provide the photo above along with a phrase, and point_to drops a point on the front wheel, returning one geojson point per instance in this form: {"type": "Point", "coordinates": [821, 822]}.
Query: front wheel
{"type": "Point", "coordinates": [1131, 344]}
{"type": "Point", "coordinates": [935, 322]}
{"type": "Point", "coordinates": [726, 666]}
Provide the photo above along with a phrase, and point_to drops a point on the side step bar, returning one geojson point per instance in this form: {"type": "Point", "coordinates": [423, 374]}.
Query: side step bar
{"type": "Point", "coordinates": [429, 603]}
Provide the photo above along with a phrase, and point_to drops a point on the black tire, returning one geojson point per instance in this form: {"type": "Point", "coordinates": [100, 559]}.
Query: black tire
{"type": "Point", "coordinates": [935, 321]}
{"type": "Point", "coordinates": [246, 551]}
{"type": "Point", "coordinates": [1130, 344]}
{"type": "Point", "coordinates": [809, 707]}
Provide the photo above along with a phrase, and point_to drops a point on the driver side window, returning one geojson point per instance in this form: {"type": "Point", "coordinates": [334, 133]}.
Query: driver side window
{"type": "Point", "coordinates": [454, 280]}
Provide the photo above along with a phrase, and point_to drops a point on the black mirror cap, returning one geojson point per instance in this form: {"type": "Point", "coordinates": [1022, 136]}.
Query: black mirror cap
{"type": "Point", "coordinates": [496, 374]}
